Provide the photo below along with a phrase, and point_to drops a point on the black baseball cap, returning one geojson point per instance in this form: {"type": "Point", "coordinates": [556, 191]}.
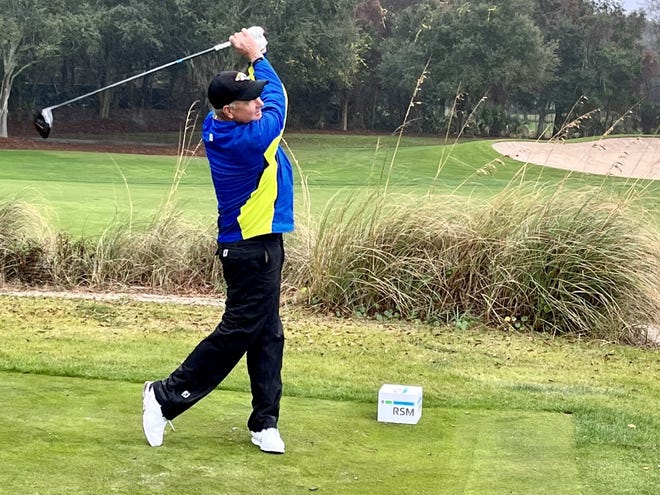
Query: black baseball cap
{"type": "Point", "coordinates": [230, 86]}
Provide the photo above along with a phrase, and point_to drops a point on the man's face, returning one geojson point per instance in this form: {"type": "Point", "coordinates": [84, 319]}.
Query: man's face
{"type": "Point", "coordinates": [244, 112]}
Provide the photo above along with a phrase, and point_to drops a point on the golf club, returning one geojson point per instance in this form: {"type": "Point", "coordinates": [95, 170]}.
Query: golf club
{"type": "Point", "coordinates": [43, 119]}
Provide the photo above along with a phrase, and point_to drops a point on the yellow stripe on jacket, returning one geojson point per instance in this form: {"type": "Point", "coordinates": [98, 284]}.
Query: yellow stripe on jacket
{"type": "Point", "coordinates": [256, 217]}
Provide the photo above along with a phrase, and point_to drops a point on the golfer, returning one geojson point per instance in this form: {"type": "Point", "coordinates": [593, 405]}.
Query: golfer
{"type": "Point", "coordinates": [253, 183]}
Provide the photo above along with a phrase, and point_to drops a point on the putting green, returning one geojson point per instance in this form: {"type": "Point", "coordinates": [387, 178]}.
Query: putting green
{"type": "Point", "coordinates": [70, 435]}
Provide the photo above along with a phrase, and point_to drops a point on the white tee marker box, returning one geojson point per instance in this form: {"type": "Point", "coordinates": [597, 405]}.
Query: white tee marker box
{"type": "Point", "coordinates": [399, 404]}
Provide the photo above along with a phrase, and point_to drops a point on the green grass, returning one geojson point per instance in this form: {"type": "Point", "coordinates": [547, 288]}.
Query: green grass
{"type": "Point", "coordinates": [90, 439]}
{"type": "Point", "coordinates": [504, 412]}
{"type": "Point", "coordinates": [84, 192]}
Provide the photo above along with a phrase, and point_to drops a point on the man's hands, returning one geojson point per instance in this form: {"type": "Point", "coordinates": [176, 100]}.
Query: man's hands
{"type": "Point", "coordinates": [249, 43]}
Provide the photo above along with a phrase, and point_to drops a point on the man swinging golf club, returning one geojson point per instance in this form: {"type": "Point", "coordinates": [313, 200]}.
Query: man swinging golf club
{"type": "Point", "coordinates": [254, 187]}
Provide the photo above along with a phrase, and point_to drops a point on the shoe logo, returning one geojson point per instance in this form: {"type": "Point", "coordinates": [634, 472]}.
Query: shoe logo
{"type": "Point", "coordinates": [185, 394]}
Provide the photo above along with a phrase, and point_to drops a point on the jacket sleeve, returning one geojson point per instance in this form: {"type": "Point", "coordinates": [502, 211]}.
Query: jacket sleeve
{"type": "Point", "coordinates": [273, 119]}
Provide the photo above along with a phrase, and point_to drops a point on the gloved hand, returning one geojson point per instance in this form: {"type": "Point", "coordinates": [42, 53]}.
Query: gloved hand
{"type": "Point", "coordinates": [249, 43]}
{"type": "Point", "coordinates": [257, 32]}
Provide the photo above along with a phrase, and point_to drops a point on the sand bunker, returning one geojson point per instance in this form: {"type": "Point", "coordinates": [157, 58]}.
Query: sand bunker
{"type": "Point", "coordinates": [636, 157]}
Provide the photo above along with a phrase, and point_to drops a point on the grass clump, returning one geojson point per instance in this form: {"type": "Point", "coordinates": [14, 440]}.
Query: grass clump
{"type": "Point", "coordinates": [554, 261]}
{"type": "Point", "coordinates": [575, 262]}
{"type": "Point", "coordinates": [24, 242]}
{"type": "Point", "coordinates": [166, 254]}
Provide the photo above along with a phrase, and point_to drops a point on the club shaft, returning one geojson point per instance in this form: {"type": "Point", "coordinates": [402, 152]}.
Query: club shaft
{"type": "Point", "coordinates": [215, 48]}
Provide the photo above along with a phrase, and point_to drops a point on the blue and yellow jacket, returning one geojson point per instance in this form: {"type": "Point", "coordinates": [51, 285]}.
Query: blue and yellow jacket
{"type": "Point", "coordinates": [252, 175]}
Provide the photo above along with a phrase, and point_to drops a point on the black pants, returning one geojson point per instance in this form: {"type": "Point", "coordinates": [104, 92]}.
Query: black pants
{"type": "Point", "coordinates": [250, 325]}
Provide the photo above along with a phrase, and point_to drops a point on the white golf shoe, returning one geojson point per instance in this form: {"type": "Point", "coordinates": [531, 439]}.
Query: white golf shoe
{"type": "Point", "coordinates": [268, 440]}
{"type": "Point", "coordinates": [153, 421]}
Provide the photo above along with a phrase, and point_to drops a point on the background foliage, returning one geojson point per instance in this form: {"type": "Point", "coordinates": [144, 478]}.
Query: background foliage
{"type": "Point", "coordinates": [348, 64]}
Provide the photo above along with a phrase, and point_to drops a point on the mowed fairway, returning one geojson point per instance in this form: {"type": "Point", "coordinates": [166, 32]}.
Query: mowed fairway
{"type": "Point", "coordinates": [83, 193]}
{"type": "Point", "coordinates": [71, 435]}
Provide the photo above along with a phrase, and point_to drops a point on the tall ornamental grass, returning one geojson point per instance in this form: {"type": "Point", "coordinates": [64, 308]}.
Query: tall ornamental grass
{"type": "Point", "coordinates": [166, 255]}
{"type": "Point", "coordinates": [534, 257]}
{"type": "Point", "coordinates": [554, 261]}
{"type": "Point", "coordinates": [24, 242]}
{"type": "Point", "coordinates": [551, 260]}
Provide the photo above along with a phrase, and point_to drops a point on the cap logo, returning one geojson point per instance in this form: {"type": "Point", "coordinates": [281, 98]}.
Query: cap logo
{"type": "Point", "coordinates": [241, 77]}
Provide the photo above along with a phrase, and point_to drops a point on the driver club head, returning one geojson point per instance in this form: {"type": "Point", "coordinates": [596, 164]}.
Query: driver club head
{"type": "Point", "coordinates": [43, 121]}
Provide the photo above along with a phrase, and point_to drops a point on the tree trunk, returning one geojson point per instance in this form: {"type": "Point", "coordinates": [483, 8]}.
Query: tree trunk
{"type": "Point", "coordinates": [145, 95]}
{"type": "Point", "coordinates": [558, 124]}
{"type": "Point", "coordinates": [3, 125]}
{"type": "Point", "coordinates": [543, 111]}
{"type": "Point", "coordinates": [344, 114]}
{"type": "Point", "coordinates": [374, 105]}
{"type": "Point", "coordinates": [5, 91]}
{"type": "Point", "coordinates": [105, 98]}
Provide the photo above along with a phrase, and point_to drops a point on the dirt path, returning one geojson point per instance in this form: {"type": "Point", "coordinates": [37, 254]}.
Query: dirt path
{"type": "Point", "coordinates": [635, 157]}
{"type": "Point", "coordinates": [197, 300]}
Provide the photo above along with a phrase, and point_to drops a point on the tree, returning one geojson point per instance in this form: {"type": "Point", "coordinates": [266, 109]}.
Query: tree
{"type": "Point", "coordinates": [111, 40]}
{"type": "Point", "coordinates": [618, 61]}
{"type": "Point", "coordinates": [193, 25]}
{"type": "Point", "coordinates": [649, 112]}
{"type": "Point", "coordinates": [600, 61]}
{"type": "Point", "coordinates": [478, 48]}
{"type": "Point", "coordinates": [319, 56]}
{"type": "Point", "coordinates": [403, 58]}
{"type": "Point", "coordinates": [560, 23]}
{"type": "Point", "coordinates": [29, 34]}
{"type": "Point", "coordinates": [370, 17]}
